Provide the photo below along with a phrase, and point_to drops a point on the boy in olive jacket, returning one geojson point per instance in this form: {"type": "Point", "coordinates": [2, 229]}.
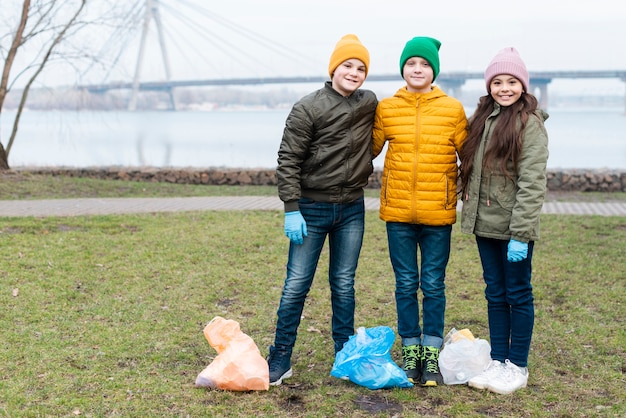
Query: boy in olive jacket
{"type": "Point", "coordinates": [324, 162]}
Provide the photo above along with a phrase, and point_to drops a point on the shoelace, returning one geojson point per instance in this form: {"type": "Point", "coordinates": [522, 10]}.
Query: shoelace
{"type": "Point", "coordinates": [510, 370]}
{"type": "Point", "coordinates": [412, 356]}
{"type": "Point", "coordinates": [431, 365]}
{"type": "Point", "coordinates": [505, 374]}
{"type": "Point", "coordinates": [493, 370]}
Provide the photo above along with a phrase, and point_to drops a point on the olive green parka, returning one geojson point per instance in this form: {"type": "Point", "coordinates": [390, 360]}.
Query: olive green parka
{"type": "Point", "coordinates": [499, 207]}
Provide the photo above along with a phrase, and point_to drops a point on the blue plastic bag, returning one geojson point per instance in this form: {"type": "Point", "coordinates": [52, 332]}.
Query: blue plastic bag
{"type": "Point", "coordinates": [366, 360]}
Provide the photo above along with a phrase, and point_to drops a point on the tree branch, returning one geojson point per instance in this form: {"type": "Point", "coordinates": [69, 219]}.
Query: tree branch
{"type": "Point", "coordinates": [45, 59]}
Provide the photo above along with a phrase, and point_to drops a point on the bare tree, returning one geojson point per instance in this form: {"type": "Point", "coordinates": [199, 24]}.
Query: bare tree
{"type": "Point", "coordinates": [44, 17]}
{"type": "Point", "coordinates": [46, 24]}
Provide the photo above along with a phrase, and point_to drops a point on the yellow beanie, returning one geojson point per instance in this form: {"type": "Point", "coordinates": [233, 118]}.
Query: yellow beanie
{"type": "Point", "coordinates": [348, 47]}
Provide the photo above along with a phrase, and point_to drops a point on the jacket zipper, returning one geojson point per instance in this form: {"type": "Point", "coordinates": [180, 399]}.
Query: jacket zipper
{"type": "Point", "coordinates": [415, 164]}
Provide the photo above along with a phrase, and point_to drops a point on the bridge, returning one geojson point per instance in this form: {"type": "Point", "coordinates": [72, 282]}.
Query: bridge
{"type": "Point", "coordinates": [150, 12]}
{"type": "Point", "coordinates": [451, 82]}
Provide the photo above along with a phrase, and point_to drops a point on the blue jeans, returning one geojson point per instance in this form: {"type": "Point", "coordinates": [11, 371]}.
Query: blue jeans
{"type": "Point", "coordinates": [344, 225]}
{"type": "Point", "coordinates": [510, 301]}
{"type": "Point", "coordinates": [434, 245]}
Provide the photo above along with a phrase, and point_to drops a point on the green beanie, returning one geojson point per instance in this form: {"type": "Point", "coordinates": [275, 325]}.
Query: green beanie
{"type": "Point", "coordinates": [425, 47]}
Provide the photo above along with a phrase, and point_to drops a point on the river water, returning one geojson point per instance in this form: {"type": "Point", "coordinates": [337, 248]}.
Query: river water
{"type": "Point", "coordinates": [579, 138]}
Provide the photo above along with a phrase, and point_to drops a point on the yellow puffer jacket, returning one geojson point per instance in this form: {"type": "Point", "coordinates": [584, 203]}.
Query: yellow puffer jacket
{"type": "Point", "coordinates": [424, 132]}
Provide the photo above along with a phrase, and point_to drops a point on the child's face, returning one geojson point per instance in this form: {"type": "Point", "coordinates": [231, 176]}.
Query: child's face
{"type": "Point", "coordinates": [506, 89]}
{"type": "Point", "coordinates": [348, 76]}
{"type": "Point", "coordinates": [418, 75]}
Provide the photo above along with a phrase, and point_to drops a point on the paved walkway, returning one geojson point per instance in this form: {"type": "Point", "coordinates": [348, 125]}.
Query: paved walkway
{"type": "Point", "coordinates": [76, 207]}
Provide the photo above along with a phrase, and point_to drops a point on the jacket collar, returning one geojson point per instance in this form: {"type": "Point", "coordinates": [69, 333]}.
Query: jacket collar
{"type": "Point", "coordinates": [436, 92]}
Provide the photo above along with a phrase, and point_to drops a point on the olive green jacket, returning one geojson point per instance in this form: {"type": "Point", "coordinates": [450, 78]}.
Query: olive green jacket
{"type": "Point", "coordinates": [495, 206]}
{"type": "Point", "coordinates": [326, 153]}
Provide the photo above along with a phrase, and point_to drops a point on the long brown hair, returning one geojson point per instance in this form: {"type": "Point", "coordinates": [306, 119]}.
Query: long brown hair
{"type": "Point", "coordinates": [505, 143]}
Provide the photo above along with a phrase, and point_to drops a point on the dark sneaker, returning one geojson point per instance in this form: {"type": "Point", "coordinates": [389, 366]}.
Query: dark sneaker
{"type": "Point", "coordinates": [431, 376]}
{"type": "Point", "coordinates": [279, 363]}
{"type": "Point", "coordinates": [412, 362]}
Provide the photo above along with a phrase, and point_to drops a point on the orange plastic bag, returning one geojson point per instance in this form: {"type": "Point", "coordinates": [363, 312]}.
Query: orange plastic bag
{"type": "Point", "coordinates": [239, 365]}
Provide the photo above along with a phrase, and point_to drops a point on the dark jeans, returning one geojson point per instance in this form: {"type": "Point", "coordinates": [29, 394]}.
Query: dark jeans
{"type": "Point", "coordinates": [434, 245]}
{"type": "Point", "coordinates": [344, 225]}
{"type": "Point", "coordinates": [510, 301]}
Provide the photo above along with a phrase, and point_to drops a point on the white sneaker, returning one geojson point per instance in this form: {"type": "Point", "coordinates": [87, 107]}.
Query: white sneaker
{"type": "Point", "coordinates": [491, 370]}
{"type": "Point", "coordinates": [511, 379]}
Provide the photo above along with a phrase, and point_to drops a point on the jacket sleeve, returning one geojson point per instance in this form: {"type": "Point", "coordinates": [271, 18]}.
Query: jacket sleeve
{"type": "Point", "coordinates": [531, 180]}
{"type": "Point", "coordinates": [378, 133]}
{"type": "Point", "coordinates": [461, 131]}
{"type": "Point", "coordinates": [295, 145]}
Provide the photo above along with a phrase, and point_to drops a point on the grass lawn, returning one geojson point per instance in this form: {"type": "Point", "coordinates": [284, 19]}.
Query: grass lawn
{"type": "Point", "coordinates": [103, 316]}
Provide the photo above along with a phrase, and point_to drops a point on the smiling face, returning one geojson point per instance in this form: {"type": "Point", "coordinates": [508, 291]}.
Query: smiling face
{"type": "Point", "coordinates": [349, 76]}
{"type": "Point", "coordinates": [418, 75]}
{"type": "Point", "coordinates": [505, 89]}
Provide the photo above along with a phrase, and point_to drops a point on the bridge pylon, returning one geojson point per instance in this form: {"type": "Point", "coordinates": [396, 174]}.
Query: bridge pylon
{"type": "Point", "coordinates": [542, 85]}
{"type": "Point", "coordinates": [151, 13]}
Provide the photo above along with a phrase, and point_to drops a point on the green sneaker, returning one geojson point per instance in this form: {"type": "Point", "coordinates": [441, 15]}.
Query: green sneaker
{"type": "Point", "coordinates": [431, 376]}
{"type": "Point", "coordinates": [412, 362]}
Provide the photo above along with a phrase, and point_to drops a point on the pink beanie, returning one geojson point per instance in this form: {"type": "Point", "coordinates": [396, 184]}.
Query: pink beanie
{"type": "Point", "coordinates": [507, 61]}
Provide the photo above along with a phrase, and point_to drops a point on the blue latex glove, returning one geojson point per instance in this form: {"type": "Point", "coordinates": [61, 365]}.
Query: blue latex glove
{"type": "Point", "coordinates": [295, 227]}
{"type": "Point", "coordinates": [517, 251]}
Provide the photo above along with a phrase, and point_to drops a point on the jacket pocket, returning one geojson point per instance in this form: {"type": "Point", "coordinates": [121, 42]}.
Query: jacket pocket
{"type": "Point", "coordinates": [384, 182]}
{"type": "Point", "coordinates": [503, 191]}
{"type": "Point", "coordinates": [450, 190]}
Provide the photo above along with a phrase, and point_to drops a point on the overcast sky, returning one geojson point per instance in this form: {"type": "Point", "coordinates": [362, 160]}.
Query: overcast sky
{"type": "Point", "coordinates": [273, 38]}
{"type": "Point", "coordinates": [549, 34]}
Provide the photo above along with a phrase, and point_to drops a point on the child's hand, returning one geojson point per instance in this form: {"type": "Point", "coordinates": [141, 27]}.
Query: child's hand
{"type": "Point", "coordinates": [295, 227]}
{"type": "Point", "coordinates": [517, 251]}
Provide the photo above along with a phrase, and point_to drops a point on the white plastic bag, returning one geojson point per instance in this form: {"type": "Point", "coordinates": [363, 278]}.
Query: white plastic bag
{"type": "Point", "coordinates": [463, 357]}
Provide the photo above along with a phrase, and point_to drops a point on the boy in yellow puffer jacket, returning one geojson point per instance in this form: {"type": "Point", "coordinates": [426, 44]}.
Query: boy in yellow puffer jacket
{"type": "Point", "coordinates": [424, 130]}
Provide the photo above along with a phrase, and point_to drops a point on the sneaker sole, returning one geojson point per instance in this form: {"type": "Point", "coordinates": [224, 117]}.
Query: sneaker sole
{"type": "Point", "coordinates": [504, 392]}
{"type": "Point", "coordinates": [286, 375]}
{"type": "Point", "coordinates": [429, 384]}
{"type": "Point", "coordinates": [477, 385]}
{"type": "Point", "coordinates": [413, 379]}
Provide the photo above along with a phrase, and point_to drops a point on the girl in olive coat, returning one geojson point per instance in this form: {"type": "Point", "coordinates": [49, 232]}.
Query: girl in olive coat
{"type": "Point", "coordinates": [503, 181]}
